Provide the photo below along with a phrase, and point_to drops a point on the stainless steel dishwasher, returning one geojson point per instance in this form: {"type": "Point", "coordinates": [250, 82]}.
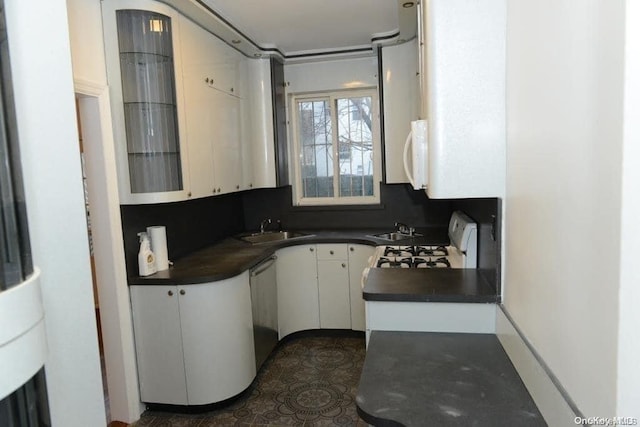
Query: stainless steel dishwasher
{"type": "Point", "coordinates": [264, 308]}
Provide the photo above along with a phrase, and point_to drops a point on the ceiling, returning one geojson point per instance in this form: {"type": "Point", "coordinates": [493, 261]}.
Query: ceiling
{"type": "Point", "coordinates": [306, 28]}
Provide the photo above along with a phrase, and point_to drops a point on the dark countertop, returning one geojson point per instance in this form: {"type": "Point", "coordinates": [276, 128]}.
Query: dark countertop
{"type": "Point", "coordinates": [442, 379]}
{"type": "Point", "coordinates": [428, 285]}
{"type": "Point", "coordinates": [232, 256]}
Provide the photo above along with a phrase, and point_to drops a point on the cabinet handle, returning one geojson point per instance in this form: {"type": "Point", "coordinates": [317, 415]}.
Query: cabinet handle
{"type": "Point", "coordinates": [351, 249]}
{"type": "Point", "coordinates": [311, 249]}
{"type": "Point", "coordinates": [182, 292]}
{"type": "Point", "coordinates": [331, 252]}
{"type": "Point", "coordinates": [170, 293]}
{"type": "Point", "coordinates": [344, 265]}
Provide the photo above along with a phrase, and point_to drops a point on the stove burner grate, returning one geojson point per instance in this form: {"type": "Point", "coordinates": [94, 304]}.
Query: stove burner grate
{"type": "Point", "coordinates": [387, 262]}
{"type": "Point", "coordinates": [441, 262]}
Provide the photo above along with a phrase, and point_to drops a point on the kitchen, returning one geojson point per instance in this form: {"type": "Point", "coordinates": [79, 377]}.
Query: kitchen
{"type": "Point", "coordinates": [528, 168]}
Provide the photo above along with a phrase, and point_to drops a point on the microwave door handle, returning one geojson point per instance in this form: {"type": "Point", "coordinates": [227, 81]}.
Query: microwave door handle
{"type": "Point", "coordinates": [405, 158]}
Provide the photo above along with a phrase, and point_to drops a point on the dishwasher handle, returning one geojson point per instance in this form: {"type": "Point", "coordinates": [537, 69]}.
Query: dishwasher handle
{"type": "Point", "coordinates": [262, 266]}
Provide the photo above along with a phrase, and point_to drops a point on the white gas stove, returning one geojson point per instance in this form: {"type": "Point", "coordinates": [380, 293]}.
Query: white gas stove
{"type": "Point", "coordinates": [461, 253]}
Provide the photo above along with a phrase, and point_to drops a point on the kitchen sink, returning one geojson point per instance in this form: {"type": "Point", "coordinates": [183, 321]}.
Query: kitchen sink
{"type": "Point", "coordinates": [393, 236]}
{"type": "Point", "coordinates": [271, 236]}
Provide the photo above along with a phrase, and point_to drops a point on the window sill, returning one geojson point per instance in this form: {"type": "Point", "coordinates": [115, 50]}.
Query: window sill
{"type": "Point", "coordinates": [319, 208]}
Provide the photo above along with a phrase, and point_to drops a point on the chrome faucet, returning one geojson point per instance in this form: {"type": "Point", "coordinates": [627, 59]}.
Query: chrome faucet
{"type": "Point", "coordinates": [264, 223]}
{"type": "Point", "coordinates": [404, 229]}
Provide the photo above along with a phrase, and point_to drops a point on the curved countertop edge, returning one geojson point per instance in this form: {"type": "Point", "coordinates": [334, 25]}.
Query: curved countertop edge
{"type": "Point", "coordinates": [232, 256]}
{"type": "Point", "coordinates": [375, 421]}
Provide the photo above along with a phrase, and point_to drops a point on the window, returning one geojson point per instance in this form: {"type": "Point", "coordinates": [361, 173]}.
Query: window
{"type": "Point", "coordinates": [336, 144]}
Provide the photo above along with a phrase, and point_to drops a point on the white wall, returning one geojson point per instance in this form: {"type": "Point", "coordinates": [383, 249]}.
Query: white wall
{"type": "Point", "coordinates": [87, 44]}
{"type": "Point", "coordinates": [629, 339]}
{"type": "Point", "coordinates": [564, 156]}
{"type": "Point", "coordinates": [42, 78]}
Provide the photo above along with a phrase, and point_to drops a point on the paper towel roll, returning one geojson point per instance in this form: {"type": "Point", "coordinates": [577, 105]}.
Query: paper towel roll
{"type": "Point", "coordinates": [158, 236]}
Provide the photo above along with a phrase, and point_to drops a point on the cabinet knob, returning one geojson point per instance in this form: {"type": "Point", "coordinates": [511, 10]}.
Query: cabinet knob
{"type": "Point", "coordinates": [219, 190]}
{"type": "Point", "coordinates": [237, 187]}
{"type": "Point", "coordinates": [189, 194]}
{"type": "Point", "coordinates": [170, 293]}
{"type": "Point", "coordinates": [344, 265]}
{"type": "Point", "coordinates": [206, 80]}
{"type": "Point", "coordinates": [331, 252]}
{"type": "Point", "coordinates": [182, 292]}
{"type": "Point", "coordinates": [231, 89]}
{"type": "Point", "coordinates": [250, 185]}
{"type": "Point", "coordinates": [351, 249]}
{"type": "Point", "coordinates": [311, 249]}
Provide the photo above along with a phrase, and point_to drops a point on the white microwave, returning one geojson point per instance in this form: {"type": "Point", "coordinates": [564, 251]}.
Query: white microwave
{"type": "Point", "coordinates": [415, 167]}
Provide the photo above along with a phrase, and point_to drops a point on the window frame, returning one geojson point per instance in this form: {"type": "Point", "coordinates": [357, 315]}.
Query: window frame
{"type": "Point", "coordinates": [296, 147]}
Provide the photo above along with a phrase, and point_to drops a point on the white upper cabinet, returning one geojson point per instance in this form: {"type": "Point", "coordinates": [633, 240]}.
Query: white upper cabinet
{"type": "Point", "coordinates": [213, 112]}
{"type": "Point", "coordinates": [259, 125]}
{"type": "Point", "coordinates": [401, 104]}
{"type": "Point", "coordinates": [142, 44]}
{"type": "Point", "coordinates": [462, 59]}
{"type": "Point", "coordinates": [192, 116]}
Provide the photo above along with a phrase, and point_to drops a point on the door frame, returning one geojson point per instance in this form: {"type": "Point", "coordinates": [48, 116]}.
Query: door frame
{"type": "Point", "coordinates": [106, 227]}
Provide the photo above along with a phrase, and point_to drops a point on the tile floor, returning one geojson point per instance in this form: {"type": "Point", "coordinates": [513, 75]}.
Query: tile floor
{"type": "Point", "coordinates": [307, 381]}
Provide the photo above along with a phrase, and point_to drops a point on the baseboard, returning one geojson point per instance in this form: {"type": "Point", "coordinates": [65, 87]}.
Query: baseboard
{"type": "Point", "coordinates": [554, 403]}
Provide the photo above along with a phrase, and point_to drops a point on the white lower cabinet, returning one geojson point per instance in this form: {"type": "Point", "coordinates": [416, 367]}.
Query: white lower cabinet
{"type": "Point", "coordinates": [319, 287]}
{"type": "Point", "coordinates": [194, 343]}
{"type": "Point", "coordinates": [333, 292]}
{"type": "Point", "coordinates": [297, 278]}
{"type": "Point", "coordinates": [333, 286]}
{"type": "Point", "coordinates": [358, 261]}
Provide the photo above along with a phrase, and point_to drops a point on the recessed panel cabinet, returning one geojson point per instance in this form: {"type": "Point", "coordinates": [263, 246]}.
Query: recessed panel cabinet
{"type": "Point", "coordinates": [194, 343]}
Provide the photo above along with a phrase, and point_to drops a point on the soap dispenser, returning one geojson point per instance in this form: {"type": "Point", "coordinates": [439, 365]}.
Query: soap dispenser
{"type": "Point", "coordinates": [146, 259]}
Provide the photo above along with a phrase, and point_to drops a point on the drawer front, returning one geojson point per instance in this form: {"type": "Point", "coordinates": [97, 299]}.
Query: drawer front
{"type": "Point", "coordinates": [332, 251]}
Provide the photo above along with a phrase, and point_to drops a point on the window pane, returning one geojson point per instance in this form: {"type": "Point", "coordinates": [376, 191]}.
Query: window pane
{"type": "Point", "coordinates": [316, 160]}
{"type": "Point", "coordinates": [355, 146]}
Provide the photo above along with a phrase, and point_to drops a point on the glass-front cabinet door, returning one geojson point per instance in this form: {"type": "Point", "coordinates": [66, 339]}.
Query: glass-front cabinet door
{"type": "Point", "coordinates": [145, 81]}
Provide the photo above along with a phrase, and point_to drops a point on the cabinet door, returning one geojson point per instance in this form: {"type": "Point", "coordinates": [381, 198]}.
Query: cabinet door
{"type": "Point", "coordinates": [158, 341]}
{"type": "Point", "coordinates": [297, 276]}
{"type": "Point", "coordinates": [197, 97]}
{"type": "Point", "coordinates": [143, 53]}
{"type": "Point", "coordinates": [227, 160]}
{"type": "Point", "coordinates": [358, 261]}
{"type": "Point", "coordinates": [217, 334]}
{"type": "Point", "coordinates": [333, 291]}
